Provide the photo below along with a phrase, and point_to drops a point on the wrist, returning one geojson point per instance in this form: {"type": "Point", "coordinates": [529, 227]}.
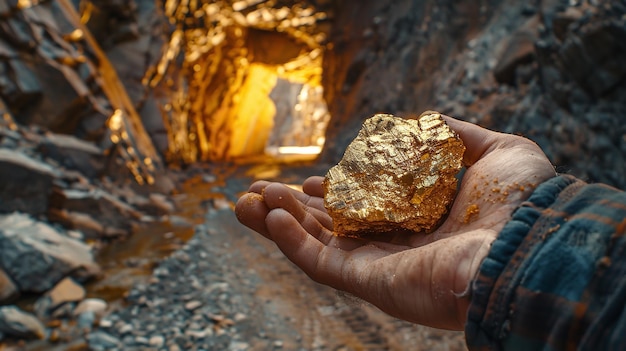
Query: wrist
{"type": "Point", "coordinates": [495, 287]}
{"type": "Point", "coordinates": [468, 269]}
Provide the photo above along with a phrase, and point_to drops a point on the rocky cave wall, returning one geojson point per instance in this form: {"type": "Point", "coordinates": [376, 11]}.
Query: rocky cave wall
{"type": "Point", "coordinates": [73, 148]}
{"type": "Point", "coordinates": [57, 76]}
{"type": "Point", "coordinates": [546, 69]}
{"type": "Point", "coordinates": [549, 70]}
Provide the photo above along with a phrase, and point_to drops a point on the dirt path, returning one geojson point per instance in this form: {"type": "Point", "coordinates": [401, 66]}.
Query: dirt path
{"type": "Point", "coordinates": [311, 316]}
{"type": "Point", "coordinates": [230, 289]}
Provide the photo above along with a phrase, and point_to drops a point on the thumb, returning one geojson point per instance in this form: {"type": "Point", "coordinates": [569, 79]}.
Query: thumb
{"type": "Point", "coordinates": [480, 141]}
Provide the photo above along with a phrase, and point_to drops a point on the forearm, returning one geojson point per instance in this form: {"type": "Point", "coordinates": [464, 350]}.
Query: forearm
{"type": "Point", "coordinates": [555, 277]}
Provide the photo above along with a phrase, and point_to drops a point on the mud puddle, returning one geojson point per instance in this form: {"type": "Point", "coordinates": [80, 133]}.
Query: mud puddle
{"type": "Point", "coordinates": [128, 262]}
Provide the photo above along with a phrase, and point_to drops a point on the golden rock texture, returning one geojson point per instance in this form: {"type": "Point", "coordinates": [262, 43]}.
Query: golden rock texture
{"type": "Point", "coordinates": [396, 174]}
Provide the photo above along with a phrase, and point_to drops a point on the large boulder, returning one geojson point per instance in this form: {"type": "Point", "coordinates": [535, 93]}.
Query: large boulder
{"type": "Point", "coordinates": [37, 256]}
{"type": "Point", "coordinates": [25, 183]}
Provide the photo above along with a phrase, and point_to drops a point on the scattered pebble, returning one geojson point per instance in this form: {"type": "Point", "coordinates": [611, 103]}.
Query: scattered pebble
{"type": "Point", "coordinates": [157, 341]}
{"type": "Point", "coordinates": [101, 341]}
{"type": "Point", "coordinates": [20, 324]}
{"type": "Point", "coordinates": [192, 305]}
{"type": "Point", "coordinates": [97, 306]}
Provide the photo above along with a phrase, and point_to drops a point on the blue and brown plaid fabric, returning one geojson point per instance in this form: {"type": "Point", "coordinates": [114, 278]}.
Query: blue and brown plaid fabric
{"type": "Point", "coordinates": [555, 278]}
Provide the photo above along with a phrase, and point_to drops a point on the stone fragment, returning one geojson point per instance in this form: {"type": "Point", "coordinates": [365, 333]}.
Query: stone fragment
{"type": "Point", "coordinates": [519, 50]}
{"type": "Point", "coordinates": [24, 89]}
{"type": "Point", "coordinates": [67, 290]}
{"type": "Point", "coordinates": [156, 341]}
{"type": "Point", "coordinates": [73, 153]}
{"type": "Point", "coordinates": [62, 312]}
{"type": "Point", "coordinates": [114, 215]}
{"type": "Point", "coordinates": [594, 56]}
{"type": "Point", "coordinates": [86, 320]}
{"type": "Point", "coordinates": [37, 256]}
{"type": "Point", "coordinates": [8, 290]}
{"type": "Point", "coordinates": [192, 305]}
{"type": "Point", "coordinates": [397, 174]}
{"type": "Point", "coordinates": [17, 323]}
{"type": "Point", "coordinates": [155, 204]}
{"type": "Point", "coordinates": [106, 323]}
{"type": "Point", "coordinates": [100, 340]}
{"type": "Point", "coordinates": [97, 306]}
{"type": "Point", "coordinates": [86, 224]}
{"type": "Point", "coordinates": [25, 183]}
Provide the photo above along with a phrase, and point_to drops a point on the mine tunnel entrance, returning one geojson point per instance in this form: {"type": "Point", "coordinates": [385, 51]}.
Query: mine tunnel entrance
{"type": "Point", "coordinates": [242, 80]}
{"type": "Point", "coordinates": [276, 116]}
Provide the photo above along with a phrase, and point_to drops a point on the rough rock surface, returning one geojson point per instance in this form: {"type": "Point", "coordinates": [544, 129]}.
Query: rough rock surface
{"type": "Point", "coordinates": [125, 30]}
{"type": "Point", "coordinates": [73, 153]}
{"type": "Point", "coordinates": [36, 256]}
{"type": "Point", "coordinates": [397, 174]}
{"type": "Point", "coordinates": [106, 209]}
{"type": "Point", "coordinates": [8, 290]}
{"type": "Point", "coordinates": [56, 76]}
{"type": "Point", "coordinates": [41, 172]}
{"type": "Point", "coordinates": [57, 160]}
{"type": "Point", "coordinates": [17, 323]}
{"type": "Point", "coordinates": [558, 79]}
{"type": "Point", "coordinates": [36, 176]}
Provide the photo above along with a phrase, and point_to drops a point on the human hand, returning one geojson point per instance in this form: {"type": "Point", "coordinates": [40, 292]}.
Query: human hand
{"type": "Point", "coordinates": [422, 278]}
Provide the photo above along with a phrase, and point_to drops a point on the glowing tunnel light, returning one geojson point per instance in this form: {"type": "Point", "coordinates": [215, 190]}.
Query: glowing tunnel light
{"type": "Point", "coordinates": [299, 150]}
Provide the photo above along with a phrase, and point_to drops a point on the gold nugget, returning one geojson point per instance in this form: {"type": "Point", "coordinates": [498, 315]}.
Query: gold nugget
{"type": "Point", "coordinates": [397, 174]}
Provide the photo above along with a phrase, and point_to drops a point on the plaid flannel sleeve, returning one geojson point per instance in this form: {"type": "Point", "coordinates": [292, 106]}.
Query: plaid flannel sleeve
{"type": "Point", "coordinates": [555, 278]}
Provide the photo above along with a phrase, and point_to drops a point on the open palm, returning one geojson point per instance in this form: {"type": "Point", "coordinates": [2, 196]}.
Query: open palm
{"type": "Point", "coordinates": [422, 278]}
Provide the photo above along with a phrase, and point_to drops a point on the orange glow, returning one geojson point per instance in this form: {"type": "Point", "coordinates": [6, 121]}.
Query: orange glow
{"type": "Point", "coordinates": [24, 4]}
{"type": "Point", "coordinates": [253, 115]}
{"type": "Point", "coordinates": [217, 105]}
{"type": "Point", "coordinates": [124, 119]}
{"type": "Point", "coordinates": [300, 150]}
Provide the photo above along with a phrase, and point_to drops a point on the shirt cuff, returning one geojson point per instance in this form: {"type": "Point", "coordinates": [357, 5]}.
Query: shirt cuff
{"type": "Point", "coordinates": [531, 289]}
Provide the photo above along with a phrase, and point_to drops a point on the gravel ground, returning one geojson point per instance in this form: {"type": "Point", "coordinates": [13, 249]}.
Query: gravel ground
{"type": "Point", "coordinates": [230, 289]}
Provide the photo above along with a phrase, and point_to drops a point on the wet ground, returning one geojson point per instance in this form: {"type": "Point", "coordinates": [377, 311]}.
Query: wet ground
{"type": "Point", "coordinates": [228, 288]}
